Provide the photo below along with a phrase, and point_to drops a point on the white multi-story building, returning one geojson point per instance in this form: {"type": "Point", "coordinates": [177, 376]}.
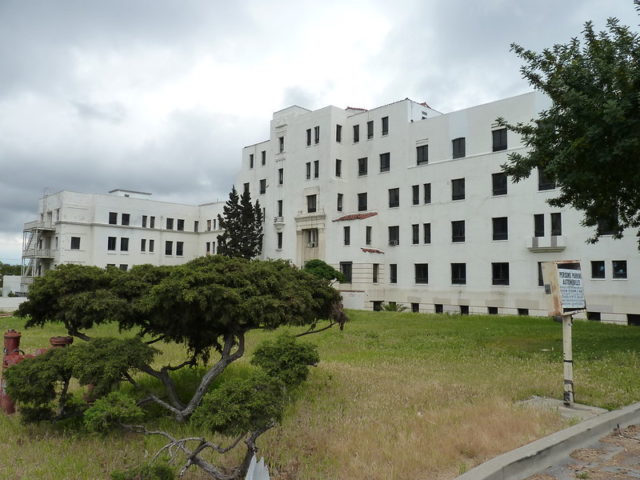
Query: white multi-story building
{"type": "Point", "coordinates": [410, 204]}
{"type": "Point", "coordinates": [121, 229]}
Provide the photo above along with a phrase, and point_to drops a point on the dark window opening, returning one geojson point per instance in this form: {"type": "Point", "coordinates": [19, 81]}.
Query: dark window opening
{"type": "Point", "coordinates": [499, 138]}
{"type": "Point", "coordinates": [458, 147]}
{"type": "Point", "coordinates": [385, 162]}
{"type": "Point", "coordinates": [439, 308]}
{"type": "Point", "coordinates": [280, 176]}
{"type": "Point", "coordinates": [370, 129]}
{"type": "Point", "coordinates": [457, 189]}
{"type": "Point", "coordinates": [538, 225]}
{"type": "Point", "coordinates": [422, 153]}
{"type": "Point", "coordinates": [338, 167]}
{"type": "Point", "coordinates": [457, 231]}
{"type": "Point", "coordinates": [169, 223]}
{"type": "Point", "coordinates": [385, 125]}
{"type": "Point", "coordinates": [427, 192]}
{"type": "Point", "coordinates": [311, 203]}
{"type": "Point", "coordinates": [168, 247]}
{"type": "Point", "coordinates": [500, 273]}
{"type": "Point", "coordinates": [492, 310]}
{"type": "Point", "coordinates": [459, 273]}
{"type": "Point", "coordinates": [556, 224]}
{"type": "Point", "coordinates": [394, 197]}
{"type": "Point", "coordinates": [362, 202]}
{"type": "Point", "coordinates": [362, 166]}
{"type": "Point", "coordinates": [594, 316]}
{"type": "Point", "coordinates": [393, 273]}
{"type": "Point", "coordinates": [338, 133]}
{"type": "Point", "coordinates": [113, 218]}
{"type": "Point", "coordinates": [124, 244]}
{"type": "Point", "coordinates": [426, 232]}
{"type": "Point", "coordinates": [347, 235]}
{"type": "Point", "coordinates": [316, 168]}
{"type": "Point", "coordinates": [125, 219]}
{"type": "Point", "coordinates": [345, 269]}
{"type": "Point", "coordinates": [633, 319]}
{"type": "Point", "coordinates": [367, 235]}
{"type": "Point", "coordinates": [308, 137]}
{"type": "Point", "coordinates": [179, 248]}
{"type": "Point", "coordinates": [415, 193]}
{"type": "Point", "coordinates": [422, 273]}
{"type": "Point", "coordinates": [523, 312]}
{"type": "Point", "coordinates": [619, 268]}
{"type": "Point", "coordinates": [500, 228]}
{"type": "Point", "coordinates": [339, 203]}
{"type": "Point", "coordinates": [597, 269]}
{"type": "Point", "coordinates": [377, 305]}
{"type": "Point", "coordinates": [545, 180]}
{"type": "Point", "coordinates": [356, 133]}
{"type": "Point", "coordinates": [394, 235]}
{"type": "Point", "coordinates": [111, 243]}
{"type": "Point", "coordinates": [263, 186]}
{"type": "Point", "coordinates": [464, 309]}
{"type": "Point", "coordinates": [75, 243]}
{"type": "Point", "coordinates": [415, 307]}
{"type": "Point", "coordinates": [415, 234]}
{"type": "Point", "coordinates": [499, 183]}
{"type": "Point", "coordinates": [180, 224]}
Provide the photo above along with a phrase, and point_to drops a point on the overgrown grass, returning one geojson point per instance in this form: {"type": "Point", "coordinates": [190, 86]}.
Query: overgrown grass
{"type": "Point", "coordinates": [396, 395]}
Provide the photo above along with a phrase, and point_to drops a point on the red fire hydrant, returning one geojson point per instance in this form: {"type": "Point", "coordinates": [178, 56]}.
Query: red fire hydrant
{"type": "Point", "coordinates": [12, 355]}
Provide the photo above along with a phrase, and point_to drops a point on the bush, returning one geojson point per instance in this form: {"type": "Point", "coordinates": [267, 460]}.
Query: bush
{"type": "Point", "coordinates": [322, 269]}
{"type": "Point", "coordinates": [111, 411]}
{"type": "Point", "coordinates": [286, 359]}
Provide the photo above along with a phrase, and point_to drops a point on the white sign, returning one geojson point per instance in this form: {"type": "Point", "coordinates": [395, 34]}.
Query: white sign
{"type": "Point", "coordinates": [571, 291]}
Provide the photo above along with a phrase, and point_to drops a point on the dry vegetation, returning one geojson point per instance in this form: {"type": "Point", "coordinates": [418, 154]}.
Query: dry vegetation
{"type": "Point", "coordinates": [397, 395]}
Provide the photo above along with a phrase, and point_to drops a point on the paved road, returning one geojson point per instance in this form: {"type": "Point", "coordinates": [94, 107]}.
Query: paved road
{"type": "Point", "coordinates": [614, 457]}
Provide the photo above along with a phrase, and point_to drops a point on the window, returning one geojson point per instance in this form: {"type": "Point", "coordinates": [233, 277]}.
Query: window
{"type": "Point", "coordinates": [311, 203]}
{"type": "Point", "coordinates": [415, 194]}
{"type": "Point", "coordinates": [143, 245]}
{"type": "Point", "coordinates": [180, 224]}
{"type": "Point", "coordinates": [246, 187]}
{"type": "Point", "coordinates": [347, 235]}
{"type": "Point", "coordinates": [279, 208]}
{"type": "Point", "coordinates": [280, 176]}
{"type": "Point", "coordinates": [111, 265]}
{"type": "Point", "coordinates": [124, 267]}
{"type": "Point", "coordinates": [196, 223]}
{"type": "Point", "coordinates": [422, 272]}
{"type": "Point", "coordinates": [393, 273]}
{"type": "Point", "coordinates": [111, 243]}
{"type": "Point", "coordinates": [545, 180]}
{"type": "Point", "coordinates": [556, 224]}
{"type": "Point", "coordinates": [540, 276]}
{"type": "Point", "coordinates": [427, 193]}
{"type": "Point", "coordinates": [280, 144]}
{"type": "Point", "coordinates": [394, 197]}
{"type": "Point", "coordinates": [457, 189]}
{"type": "Point", "coordinates": [251, 160]}
{"type": "Point", "coordinates": [179, 248]}
{"type": "Point", "coordinates": [169, 223]}
{"type": "Point", "coordinates": [376, 271]}
{"type": "Point", "coordinates": [385, 125]}
{"type": "Point", "coordinates": [500, 228]}
{"type": "Point", "coordinates": [338, 133]}
{"type": "Point", "coordinates": [377, 305]}
{"type": "Point", "coordinates": [370, 129]}
{"type": "Point", "coordinates": [597, 269]}
{"type": "Point", "coordinates": [523, 312]}
{"type": "Point", "coordinates": [619, 267]}
{"type": "Point", "coordinates": [362, 202]}
{"type": "Point", "coordinates": [316, 134]}
{"type": "Point", "coordinates": [125, 218]}
{"type": "Point", "coordinates": [308, 137]}
{"type": "Point", "coordinates": [152, 222]}
{"type": "Point", "coordinates": [208, 225]}
{"type": "Point", "coordinates": [415, 234]}
{"type": "Point", "coordinates": [144, 221]}
{"type": "Point", "coordinates": [113, 218]}
{"type": "Point", "coordinates": [426, 232]}
{"type": "Point", "coordinates": [263, 154]}
{"type": "Point", "coordinates": [385, 162]}
{"type": "Point", "coordinates": [499, 183]}
{"type": "Point", "coordinates": [459, 273]}
{"type": "Point", "coordinates": [415, 308]}
{"type": "Point", "coordinates": [458, 147]}
{"type": "Point", "coordinates": [312, 237]}
{"type": "Point", "coordinates": [263, 186]}
{"type": "Point", "coordinates": [308, 170]}
{"type": "Point", "coordinates": [124, 244]}
{"type": "Point", "coordinates": [422, 154]}
{"type": "Point", "coordinates": [499, 139]}
{"type": "Point", "coordinates": [345, 269]}
{"type": "Point", "coordinates": [457, 231]}
{"type": "Point", "coordinates": [279, 236]}
{"type": "Point", "coordinates": [213, 247]}
{"type": "Point", "coordinates": [356, 133]}
{"type": "Point", "coordinates": [605, 227]}
{"type": "Point", "coordinates": [339, 203]}
{"type": "Point", "coordinates": [595, 316]}
{"type": "Point", "coordinates": [538, 225]}
{"type": "Point", "coordinates": [316, 168]}
{"type": "Point", "coordinates": [75, 243]}
{"type": "Point", "coordinates": [438, 307]}
{"type": "Point", "coordinates": [367, 235]}
{"type": "Point", "coordinates": [362, 166]}
{"type": "Point", "coordinates": [208, 248]}
{"type": "Point", "coordinates": [168, 247]}
{"type": "Point", "coordinates": [500, 273]}
{"type": "Point", "coordinates": [151, 245]}
{"type": "Point", "coordinates": [338, 167]}
{"type": "Point", "coordinates": [394, 235]}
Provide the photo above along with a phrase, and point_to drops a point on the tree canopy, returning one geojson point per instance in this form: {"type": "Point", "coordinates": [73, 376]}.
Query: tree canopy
{"type": "Point", "coordinates": [588, 141]}
{"type": "Point", "coordinates": [207, 305]}
{"type": "Point", "coordinates": [242, 224]}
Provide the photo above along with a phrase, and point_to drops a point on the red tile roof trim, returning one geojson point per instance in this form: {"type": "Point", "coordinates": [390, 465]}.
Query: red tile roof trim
{"type": "Point", "coordinates": [371, 250]}
{"type": "Point", "coordinates": [356, 216]}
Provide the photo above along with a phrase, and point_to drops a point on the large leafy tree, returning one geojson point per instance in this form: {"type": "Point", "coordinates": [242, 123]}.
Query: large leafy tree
{"type": "Point", "coordinates": [208, 306]}
{"type": "Point", "coordinates": [242, 224]}
{"type": "Point", "coordinates": [589, 139]}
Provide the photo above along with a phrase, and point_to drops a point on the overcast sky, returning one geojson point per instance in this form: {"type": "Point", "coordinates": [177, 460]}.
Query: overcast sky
{"type": "Point", "coordinates": [161, 95]}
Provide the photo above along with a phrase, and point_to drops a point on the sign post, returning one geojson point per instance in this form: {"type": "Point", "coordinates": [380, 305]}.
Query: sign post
{"type": "Point", "coordinates": [563, 281]}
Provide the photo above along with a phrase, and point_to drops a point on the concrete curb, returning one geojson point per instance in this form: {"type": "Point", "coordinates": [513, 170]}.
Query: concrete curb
{"type": "Point", "coordinates": [553, 449]}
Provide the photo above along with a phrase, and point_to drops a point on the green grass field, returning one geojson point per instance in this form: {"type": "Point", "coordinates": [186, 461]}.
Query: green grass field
{"type": "Point", "coordinates": [396, 395]}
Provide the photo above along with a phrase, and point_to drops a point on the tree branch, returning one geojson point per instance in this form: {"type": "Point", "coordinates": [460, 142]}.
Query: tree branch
{"type": "Point", "coordinates": [161, 337]}
{"type": "Point", "coordinates": [169, 386]}
{"type": "Point", "coordinates": [313, 330]}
